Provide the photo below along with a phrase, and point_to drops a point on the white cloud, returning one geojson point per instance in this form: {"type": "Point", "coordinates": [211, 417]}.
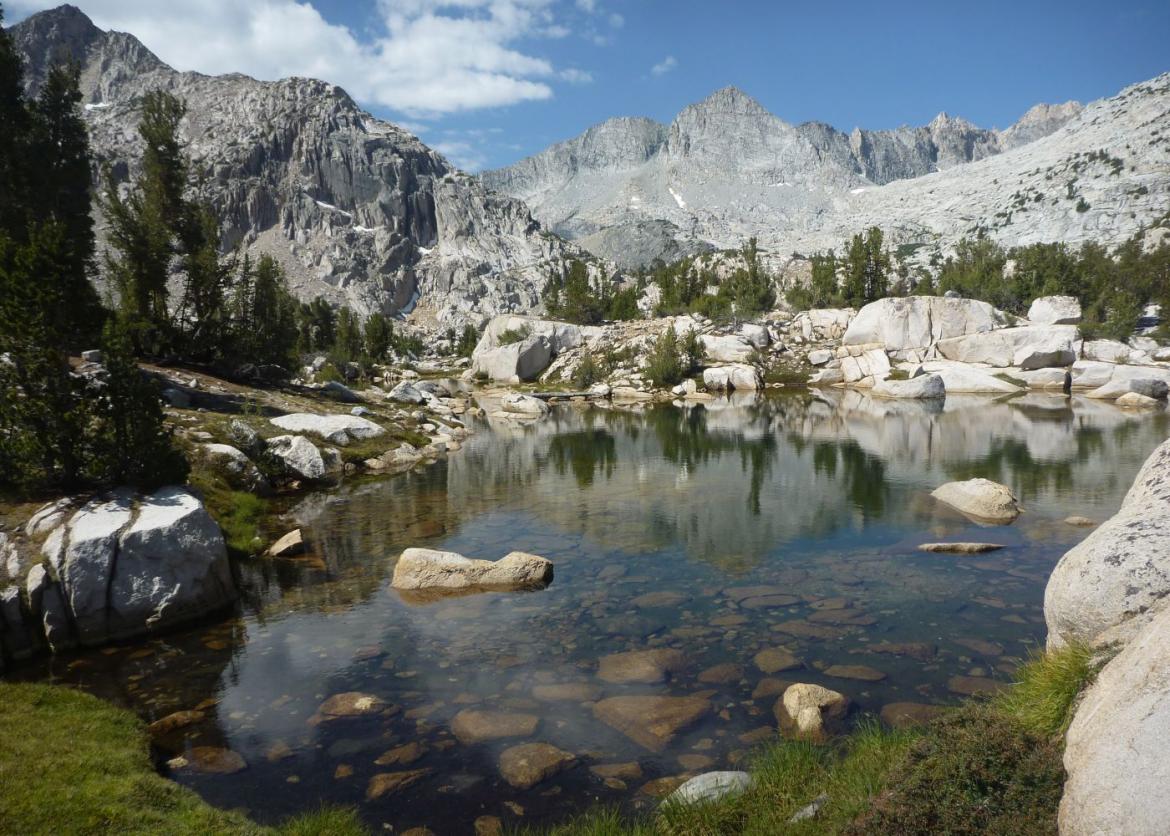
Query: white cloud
{"type": "Point", "coordinates": [664, 66]}
{"type": "Point", "coordinates": [617, 21]}
{"type": "Point", "coordinates": [588, 6]}
{"type": "Point", "coordinates": [464, 154]}
{"type": "Point", "coordinates": [575, 76]}
{"type": "Point", "coordinates": [432, 57]}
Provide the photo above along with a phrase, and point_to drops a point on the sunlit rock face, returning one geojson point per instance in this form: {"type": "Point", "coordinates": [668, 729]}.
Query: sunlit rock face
{"type": "Point", "coordinates": [726, 168]}
{"type": "Point", "coordinates": [357, 210]}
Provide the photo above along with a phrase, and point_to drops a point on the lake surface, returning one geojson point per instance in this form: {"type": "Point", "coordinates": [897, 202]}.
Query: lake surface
{"type": "Point", "coordinates": [659, 521]}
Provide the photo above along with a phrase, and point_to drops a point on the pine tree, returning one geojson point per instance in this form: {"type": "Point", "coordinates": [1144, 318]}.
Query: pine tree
{"type": "Point", "coordinates": [152, 225]}
{"type": "Point", "coordinates": [133, 445]}
{"type": "Point", "coordinates": [378, 336]}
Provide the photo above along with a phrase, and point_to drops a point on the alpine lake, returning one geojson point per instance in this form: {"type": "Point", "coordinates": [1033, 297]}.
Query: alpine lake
{"type": "Point", "coordinates": [739, 532]}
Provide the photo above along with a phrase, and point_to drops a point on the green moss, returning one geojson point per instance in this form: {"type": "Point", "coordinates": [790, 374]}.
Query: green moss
{"type": "Point", "coordinates": [73, 764]}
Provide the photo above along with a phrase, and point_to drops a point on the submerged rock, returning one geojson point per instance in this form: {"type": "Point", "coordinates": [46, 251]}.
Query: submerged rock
{"type": "Point", "coordinates": [982, 499]}
{"type": "Point", "coordinates": [776, 659]}
{"type": "Point", "coordinates": [528, 764]}
{"type": "Point", "coordinates": [351, 704]}
{"type": "Point", "coordinates": [902, 715]}
{"type": "Point", "coordinates": [860, 672]}
{"type": "Point", "coordinates": [474, 726]}
{"type": "Point", "coordinates": [651, 721]}
{"type": "Point", "coordinates": [645, 666]}
{"type": "Point", "coordinates": [388, 783]}
{"type": "Point", "coordinates": [428, 569]}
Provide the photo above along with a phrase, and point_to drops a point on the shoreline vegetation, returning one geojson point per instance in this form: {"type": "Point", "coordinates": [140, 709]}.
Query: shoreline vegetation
{"type": "Point", "coordinates": [990, 765]}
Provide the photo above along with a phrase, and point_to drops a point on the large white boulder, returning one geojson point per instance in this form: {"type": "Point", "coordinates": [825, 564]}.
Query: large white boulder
{"type": "Point", "coordinates": [981, 499]}
{"type": "Point", "coordinates": [1121, 571]}
{"type": "Point", "coordinates": [1115, 749]}
{"type": "Point", "coordinates": [924, 386]}
{"type": "Point", "coordinates": [864, 368]}
{"type": "Point", "coordinates": [515, 362]}
{"type": "Point", "coordinates": [1028, 347]}
{"type": "Point", "coordinates": [739, 376]}
{"type": "Point", "coordinates": [1106, 351]}
{"type": "Point", "coordinates": [1094, 374]}
{"type": "Point", "coordinates": [407, 391]}
{"type": "Point", "coordinates": [823, 323]}
{"type": "Point", "coordinates": [1055, 310]}
{"type": "Point", "coordinates": [523, 405]}
{"type": "Point", "coordinates": [1120, 385]}
{"type": "Point", "coordinates": [962, 378]}
{"type": "Point", "coordinates": [127, 565]}
{"type": "Point", "coordinates": [561, 336]}
{"type": "Point", "coordinates": [756, 335]}
{"type": "Point", "coordinates": [428, 569]}
{"type": "Point", "coordinates": [726, 349]}
{"type": "Point", "coordinates": [336, 429]}
{"type": "Point", "coordinates": [240, 471]}
{"type": "Point", "coordinates": [915, 323]}
{"type": "Point", "coordinates": [299, 456]}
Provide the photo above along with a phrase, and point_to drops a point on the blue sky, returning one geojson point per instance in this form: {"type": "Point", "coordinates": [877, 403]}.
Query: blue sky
{"type": "Point", "coordinates": [490, 81]}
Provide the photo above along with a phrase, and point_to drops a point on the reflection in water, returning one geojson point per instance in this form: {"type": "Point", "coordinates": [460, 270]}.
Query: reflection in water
{"type": "Point", "coordinates": [719, 530]}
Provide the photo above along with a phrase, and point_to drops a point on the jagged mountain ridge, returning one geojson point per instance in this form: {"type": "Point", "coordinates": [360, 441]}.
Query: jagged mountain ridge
{"type": "Point", "coordinates": [356, 209]}
{"type": "Point", "coordinates": [726, 169]}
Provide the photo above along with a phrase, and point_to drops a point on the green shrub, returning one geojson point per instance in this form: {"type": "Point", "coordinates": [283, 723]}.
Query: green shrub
{"type": "Point", "coordinates": [514, 335]}
{"type": "Point", "coordinates": [588, 371]}
{"type": "Point", "coordinates": [976, 772]}
{"type": "Point", "coordinates": [666, 365]}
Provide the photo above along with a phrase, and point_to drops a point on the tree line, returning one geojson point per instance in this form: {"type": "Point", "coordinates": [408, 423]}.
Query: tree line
{"type": "Point", "coordinates": [1112, 287]}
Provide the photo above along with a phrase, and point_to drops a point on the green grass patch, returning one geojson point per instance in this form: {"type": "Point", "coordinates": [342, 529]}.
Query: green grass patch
{"type": "Point", "coordinates": [239, 513]}
{"type": "Point", "coordinates": [71, 763]}
{"type": "Point", "coordinates": [1046, 689]}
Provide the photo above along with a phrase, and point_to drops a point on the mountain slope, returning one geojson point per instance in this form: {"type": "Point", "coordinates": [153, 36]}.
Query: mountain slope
{"type": "Point", "coordinates": [726, 169]}
{"type": "Point", "coordinates": [357, 210]}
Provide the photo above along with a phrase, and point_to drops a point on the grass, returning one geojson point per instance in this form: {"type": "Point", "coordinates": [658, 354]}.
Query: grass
{"type": "Point", "coordinates": [239, 513]}
{"type": "Point", "coordinates": [71, 763]}
{"type": "Point", "coordinates": [989, 766]}
{"type": "Point", "coordinates": [1047, 688]}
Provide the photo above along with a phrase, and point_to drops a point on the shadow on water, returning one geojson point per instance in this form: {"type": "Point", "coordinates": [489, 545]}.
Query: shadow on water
{"type": "Point", "coordinates": [718, 529]}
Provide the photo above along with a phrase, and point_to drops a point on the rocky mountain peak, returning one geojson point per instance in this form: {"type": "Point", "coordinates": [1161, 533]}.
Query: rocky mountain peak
{"type": "Point", "coordinates": [357, 210]}
{"type": "Point", "coordinates": [1039, 121]}
{"type": "Point", "coordinates": [730, 101]}
{"type": "Point", "coordinates": [730, 169]}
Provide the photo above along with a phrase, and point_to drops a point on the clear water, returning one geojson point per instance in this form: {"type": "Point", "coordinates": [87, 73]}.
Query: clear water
{"type": "Point", "coordinates": [824, 497]}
